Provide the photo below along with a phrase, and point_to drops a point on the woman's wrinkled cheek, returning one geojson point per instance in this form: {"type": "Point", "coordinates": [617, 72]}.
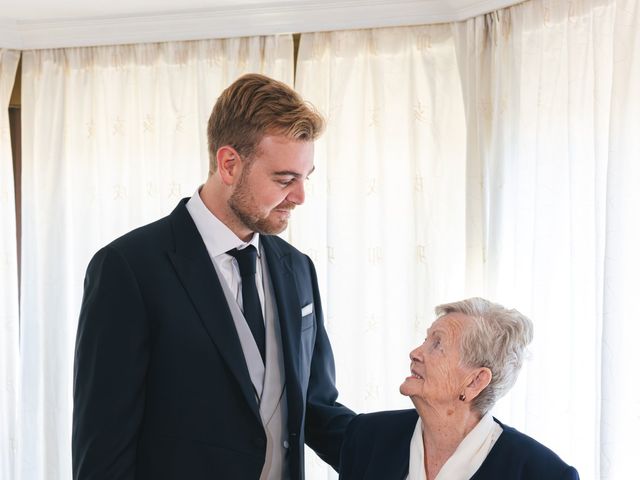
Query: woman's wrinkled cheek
{"type": "Point", "coordinates": [450, 384]}
{"type": "Point", "coordinates": [442, 383]}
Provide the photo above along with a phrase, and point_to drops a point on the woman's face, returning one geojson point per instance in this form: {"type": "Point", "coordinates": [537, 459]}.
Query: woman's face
{"type": "Point", "coordinates": [437, 376]}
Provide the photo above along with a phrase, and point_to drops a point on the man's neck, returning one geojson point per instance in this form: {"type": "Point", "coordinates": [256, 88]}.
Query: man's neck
{"type": "Point", "coordinates": [215, 199]}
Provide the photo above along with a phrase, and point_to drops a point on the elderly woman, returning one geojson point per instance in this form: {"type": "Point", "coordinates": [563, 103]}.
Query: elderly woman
{"type": "Point", "coordinates": [470, 358]}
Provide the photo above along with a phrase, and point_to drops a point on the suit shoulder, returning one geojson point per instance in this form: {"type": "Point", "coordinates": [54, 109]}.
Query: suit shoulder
{"type": "Point", "coordinates": [143, 236]}
{"type": "Point", "coordinates": [158, 232]}
{"type": "Point", "coordinates": [144, 244]}
{"type": "Point", "coordinates": [139, 246]}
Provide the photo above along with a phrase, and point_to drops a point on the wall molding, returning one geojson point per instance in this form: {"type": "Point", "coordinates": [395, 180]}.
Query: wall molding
{"type": "Point", "coordinates": [238, 21]}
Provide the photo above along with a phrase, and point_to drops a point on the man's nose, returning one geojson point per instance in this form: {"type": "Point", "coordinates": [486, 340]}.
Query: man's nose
{"type": "Point", "coordinates": [297, 195]}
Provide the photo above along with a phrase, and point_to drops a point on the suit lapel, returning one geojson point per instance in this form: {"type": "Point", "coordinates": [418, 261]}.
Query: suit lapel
{"type": "Point", "coordinates": [288, 304]}
{"type": "Point", "coordinates": [197, 274]}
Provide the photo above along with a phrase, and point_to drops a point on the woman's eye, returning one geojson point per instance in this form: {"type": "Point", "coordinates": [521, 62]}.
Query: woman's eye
{"type": "Point", "coordinates": [435, 343]}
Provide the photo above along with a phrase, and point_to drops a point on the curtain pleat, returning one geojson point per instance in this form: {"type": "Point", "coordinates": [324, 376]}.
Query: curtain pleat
{"type": "Point", "coordinates": [9, 315]}
{"type": "Point", "coordinates": [620, 396]}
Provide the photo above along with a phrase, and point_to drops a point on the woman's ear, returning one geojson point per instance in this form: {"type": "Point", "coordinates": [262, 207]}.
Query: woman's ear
{"type": "Point", "coordinates": [229, 164]}
{"type": "Point", "coordinates": [477, 382]}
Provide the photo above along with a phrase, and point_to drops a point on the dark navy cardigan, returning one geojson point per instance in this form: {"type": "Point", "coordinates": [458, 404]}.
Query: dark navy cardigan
{"type": "Point", "coordinates": [376, 447]}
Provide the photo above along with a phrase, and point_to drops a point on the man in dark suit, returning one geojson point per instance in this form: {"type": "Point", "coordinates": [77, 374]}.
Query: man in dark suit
{"type": "Point", "coordinates": [201, 351]}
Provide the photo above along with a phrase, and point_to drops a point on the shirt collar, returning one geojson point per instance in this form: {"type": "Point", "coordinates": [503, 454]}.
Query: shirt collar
{"type": "Point", "coordinates": [217, 237]}
{"type": "Point", "coordinates": [467, 458]}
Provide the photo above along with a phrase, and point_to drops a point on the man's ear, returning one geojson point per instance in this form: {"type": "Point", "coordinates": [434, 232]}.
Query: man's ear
{"type": "Point", "coordinates": [229, 164]}
{"type": "Point", "coordinates": [477, 382]}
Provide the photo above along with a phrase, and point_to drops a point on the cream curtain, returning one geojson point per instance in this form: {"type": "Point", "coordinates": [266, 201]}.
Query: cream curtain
{"type": "Point", "coordinates": [9, 320]}
{"type": "Point", "coordinates": [497, 156]}
{"type": "Point", "coordinates": [542, 215]}
{"type": "Point", "coordinates": [113, 137]}
{"type": "Point", "coordinates": [385, 215]}
{"type": "Point", "coordinates": [620, 420]}
{"type": "Point", "coordinates": [552, 103]}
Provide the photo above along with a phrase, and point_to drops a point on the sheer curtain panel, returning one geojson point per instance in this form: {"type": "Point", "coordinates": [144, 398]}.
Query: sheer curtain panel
{"type": "Point", "coordinates": [552, 95]}
{"type": "Point", "coordinates": [9, 320]}
{"type": "Point", "coordinates": [113, 138]}
{"type": "Point", "coordinates": [620, 420]}
{"type": "Point", "coordinates": [385, 215]}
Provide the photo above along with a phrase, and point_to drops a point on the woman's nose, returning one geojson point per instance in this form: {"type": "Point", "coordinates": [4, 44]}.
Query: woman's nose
{"type": "Point", "coordinates": [414, 355]}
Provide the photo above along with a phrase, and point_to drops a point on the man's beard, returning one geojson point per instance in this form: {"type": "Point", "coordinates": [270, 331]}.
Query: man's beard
{"type": "Point", "coordinates": [242, 204]}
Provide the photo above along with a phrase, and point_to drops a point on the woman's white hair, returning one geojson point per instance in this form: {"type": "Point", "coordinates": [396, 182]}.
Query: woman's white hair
{"type": "Point", "coordinates": [498, 341]}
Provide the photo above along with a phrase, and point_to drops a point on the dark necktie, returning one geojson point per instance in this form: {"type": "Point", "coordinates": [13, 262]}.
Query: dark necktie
{"type": "Point", "coordinates": [250, 300]}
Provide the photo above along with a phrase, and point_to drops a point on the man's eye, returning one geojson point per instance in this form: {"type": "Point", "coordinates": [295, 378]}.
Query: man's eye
{"type": "Point", "coordinates": [285, 183]}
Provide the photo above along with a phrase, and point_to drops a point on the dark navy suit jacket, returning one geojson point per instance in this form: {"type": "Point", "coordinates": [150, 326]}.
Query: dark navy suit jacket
{"type": "Point", "coordinates": [376, 447]}
{"type": "Point", "coordinates": [161, 386]}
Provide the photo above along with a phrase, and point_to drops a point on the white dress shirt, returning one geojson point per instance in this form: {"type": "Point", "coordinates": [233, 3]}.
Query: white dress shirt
{"type": "Point", "coordinates": [219, 239]}
{"type": "Point", "coordinates": [467, 458]}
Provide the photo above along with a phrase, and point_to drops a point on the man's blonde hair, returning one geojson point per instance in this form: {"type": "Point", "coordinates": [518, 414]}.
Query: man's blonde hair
{"type": "Point", "coordinates": [254, 106]}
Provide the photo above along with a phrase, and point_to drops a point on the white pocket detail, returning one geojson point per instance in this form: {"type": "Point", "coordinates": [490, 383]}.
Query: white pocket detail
{"type": "Point", "coordinates": [306, 310]}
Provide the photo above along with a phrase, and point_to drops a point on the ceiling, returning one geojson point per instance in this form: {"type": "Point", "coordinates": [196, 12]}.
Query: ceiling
{"type": "Point", "coordinates": [32, 24]}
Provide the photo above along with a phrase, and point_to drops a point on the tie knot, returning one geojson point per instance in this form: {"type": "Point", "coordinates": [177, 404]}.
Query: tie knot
{"type": "Point", "coordinates": [246, 260]}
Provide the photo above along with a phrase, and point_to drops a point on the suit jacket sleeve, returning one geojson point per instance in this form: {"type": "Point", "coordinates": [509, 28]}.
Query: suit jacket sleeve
{"type": "Point", "coordinates": [350, 455]}
{"type": "Point", "coordinates": [570, 474]}
{"type": "Point", "coordinates": [376, 446]}
{"type": "Point", "coordinates": [111, 359]}
{"type": "Point", "coordinates": [326, 419]}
